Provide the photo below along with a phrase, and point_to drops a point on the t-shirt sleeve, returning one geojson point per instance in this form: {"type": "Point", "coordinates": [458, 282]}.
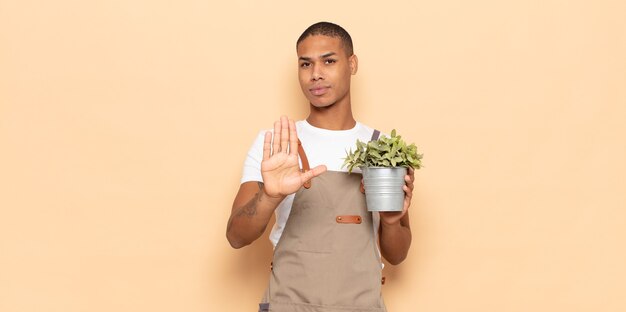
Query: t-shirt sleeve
{"type": "Point", "coordinates": [252, 164]}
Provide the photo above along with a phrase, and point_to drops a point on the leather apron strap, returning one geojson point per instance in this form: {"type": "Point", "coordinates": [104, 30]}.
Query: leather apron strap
{"type": "Point", "coordinates": [305, 163]}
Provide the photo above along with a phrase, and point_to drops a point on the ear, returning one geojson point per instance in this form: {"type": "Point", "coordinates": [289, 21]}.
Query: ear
{"type": "Point", "coordinates": [354, 64]}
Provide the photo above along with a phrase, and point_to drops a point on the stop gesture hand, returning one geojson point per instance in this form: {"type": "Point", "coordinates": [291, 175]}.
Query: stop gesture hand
{"type": "Point", "coordinates": [280, 167]}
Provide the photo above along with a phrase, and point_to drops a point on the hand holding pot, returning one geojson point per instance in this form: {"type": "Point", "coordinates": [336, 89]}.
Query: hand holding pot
{"type": "Point", "coordinates": [280, 168]}
{"type": "Point", "coordinates": [391, 218]}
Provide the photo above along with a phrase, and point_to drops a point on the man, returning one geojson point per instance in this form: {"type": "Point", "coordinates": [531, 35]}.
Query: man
{"type": "Point", "coordinates": [325, 252]}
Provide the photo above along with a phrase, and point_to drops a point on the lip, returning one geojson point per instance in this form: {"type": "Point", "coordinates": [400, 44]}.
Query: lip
{"type": "Point", "coordinates": [321, 90]}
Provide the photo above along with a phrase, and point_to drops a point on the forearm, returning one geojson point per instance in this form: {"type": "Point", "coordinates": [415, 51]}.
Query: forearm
{"type": "Point", "coordinates": [395, 241]}
{"type": "Point", "coordinates": [248, 222]}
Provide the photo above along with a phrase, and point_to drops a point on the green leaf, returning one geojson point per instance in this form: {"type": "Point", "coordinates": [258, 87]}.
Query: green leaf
{"type": "Point", "coordinates": [385, 152]}
{"type": "Point", "coordinates": [394, 150]}
{"type": "Point", "coordinates": [360, 145]}
{"type": "Point", "coordinates": [373, 145]}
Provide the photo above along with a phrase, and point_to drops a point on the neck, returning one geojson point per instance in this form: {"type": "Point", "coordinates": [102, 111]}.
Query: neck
{"type": "Point", "coordinates": [327, 118]}
{"type": "Point", "coordinates": [337, 116]}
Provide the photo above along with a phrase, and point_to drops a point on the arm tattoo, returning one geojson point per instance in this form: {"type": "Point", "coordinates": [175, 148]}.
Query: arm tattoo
{"type": "Point", "coordinates": [249, 209]}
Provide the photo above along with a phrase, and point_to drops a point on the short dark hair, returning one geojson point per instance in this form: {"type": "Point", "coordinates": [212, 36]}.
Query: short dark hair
{"type": "Point", "coordinates": [330, 30]}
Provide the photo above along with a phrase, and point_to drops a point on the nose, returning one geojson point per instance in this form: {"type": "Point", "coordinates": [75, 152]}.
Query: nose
{"type": "Point", "coordinates": [316, 73]}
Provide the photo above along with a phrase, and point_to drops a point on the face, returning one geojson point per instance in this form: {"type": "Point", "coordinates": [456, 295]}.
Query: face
{"type": "Point", "coordinates": [324, 70]}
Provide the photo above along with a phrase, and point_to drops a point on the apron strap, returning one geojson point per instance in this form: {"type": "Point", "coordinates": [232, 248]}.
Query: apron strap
{"type": "Point", "coordinates": [305, 163]}
{"type": "Point", "coordinates": [375, 135]}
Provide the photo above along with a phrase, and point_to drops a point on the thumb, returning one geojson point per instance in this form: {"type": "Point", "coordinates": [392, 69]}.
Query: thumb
{"type": "Point", "coordinates": [313, 173]}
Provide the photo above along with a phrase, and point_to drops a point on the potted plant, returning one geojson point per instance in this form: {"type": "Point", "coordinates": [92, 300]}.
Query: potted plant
{"type": "Point", "coordinates": [384, 164]}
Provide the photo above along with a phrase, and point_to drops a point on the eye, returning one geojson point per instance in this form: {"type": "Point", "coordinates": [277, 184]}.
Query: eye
{"type": "Point", "coordinates": [330, 61]}
{"type": "Point", "coordinates": [305, 64]}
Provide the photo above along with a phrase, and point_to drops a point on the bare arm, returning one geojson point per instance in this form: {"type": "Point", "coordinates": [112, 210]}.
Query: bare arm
{"type": "Point", "coordinates": [255, 202]}
{"type": "Point", "coordinates": [395, 231]}
{"type": "Point", "coordinates": [251, 212]}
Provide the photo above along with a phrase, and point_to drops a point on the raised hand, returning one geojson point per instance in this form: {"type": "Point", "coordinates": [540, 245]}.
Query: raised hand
{"type": "Point", "coordinates": [280, 168]}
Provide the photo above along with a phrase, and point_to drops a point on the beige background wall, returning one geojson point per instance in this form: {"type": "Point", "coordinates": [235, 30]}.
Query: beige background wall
{"type": "Point", "coordinates": [124, 125]}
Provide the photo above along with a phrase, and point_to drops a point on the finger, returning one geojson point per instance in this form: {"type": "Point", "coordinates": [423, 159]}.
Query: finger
{"type": "Point", "coordinates": [319, 170]}
{"type": "Point", "coordinates": [267, 145]}
{"type": "Point", "coordinates": [409, 176]}
{"type": "Point", "coordinates": [408, 193]}
{"type": "Point", "coordinates": [306, 176]}
{"type": "Point", "coordinates": [412, 174]}
{"type": "Point", "coordinates": [407, 197]}
{"type": "Point", "coordinates": [276, 142]}
{"type": "Point", "coordinates": [409, 182]}
{"type": "Point", "coordinates": [284, 134]}
{"type": "Point", "coordinates": [407, 204]}
{"type": "Point", "coordinates": [293, 138]}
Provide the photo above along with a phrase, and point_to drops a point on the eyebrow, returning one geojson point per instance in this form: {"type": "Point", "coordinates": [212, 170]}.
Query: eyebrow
{"type": "Point", "coordinates": [325, 55]}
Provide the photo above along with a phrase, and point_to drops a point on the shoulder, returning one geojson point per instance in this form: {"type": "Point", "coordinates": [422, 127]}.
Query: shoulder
{"type": "Point", "coordinates": [366, 132]}
{"type": "Point", "coordinates": [366, 128]}
{"type": "Point", "coordinates": [258, 141]}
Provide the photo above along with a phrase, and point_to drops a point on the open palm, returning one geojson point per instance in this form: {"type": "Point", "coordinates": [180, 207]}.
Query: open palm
{"type": "Point", "coordinates": [280, 167]}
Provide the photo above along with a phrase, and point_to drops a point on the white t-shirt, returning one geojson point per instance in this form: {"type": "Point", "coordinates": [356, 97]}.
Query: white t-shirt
{"type": "Point", "coordinates": [322, 147]}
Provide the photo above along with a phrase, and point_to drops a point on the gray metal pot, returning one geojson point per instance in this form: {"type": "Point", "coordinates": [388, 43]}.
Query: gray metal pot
{"type": "Point", "coordinates": [383, 188]}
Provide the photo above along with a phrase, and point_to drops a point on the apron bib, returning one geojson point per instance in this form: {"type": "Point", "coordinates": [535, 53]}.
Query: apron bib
{"type": "Point", "coordinates": [327, 258]}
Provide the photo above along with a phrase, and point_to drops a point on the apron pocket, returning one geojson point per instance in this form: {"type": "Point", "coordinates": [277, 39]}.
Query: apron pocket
{"type": "Point", "coordinates": [316, 228]}
{"type": "Point", "coordinates": [320, 242]}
